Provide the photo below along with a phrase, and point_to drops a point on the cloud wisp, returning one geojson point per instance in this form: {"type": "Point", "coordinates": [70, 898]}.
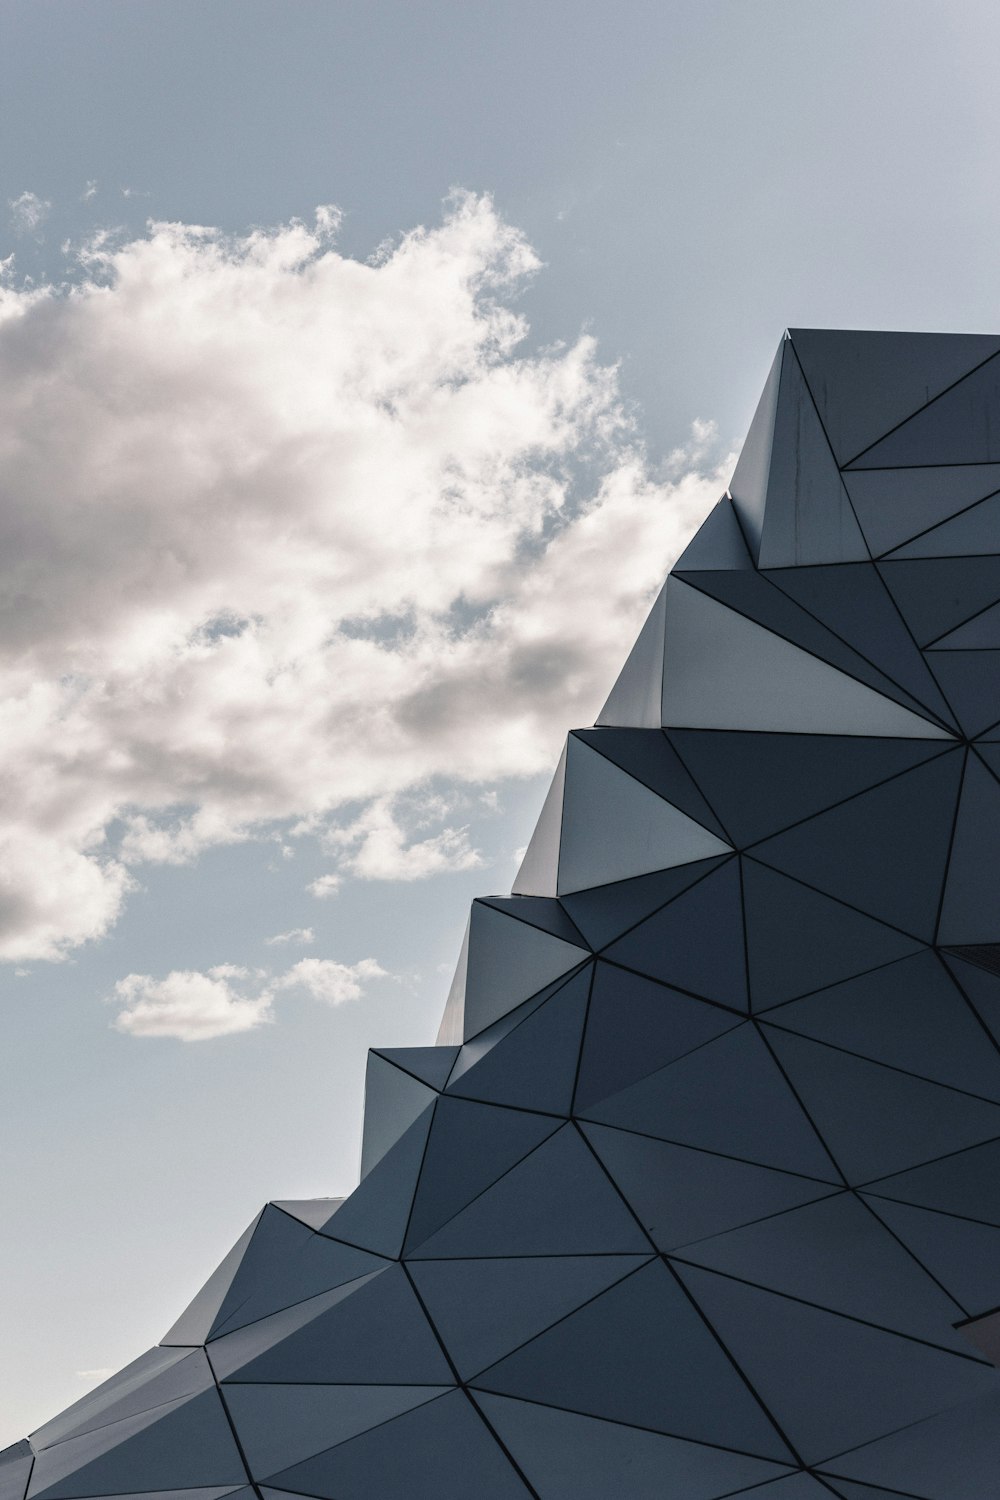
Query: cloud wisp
{"type": "Point", "coordinates": [193, 1006]}
{"type": "Point", "coordinates": [289, 538]}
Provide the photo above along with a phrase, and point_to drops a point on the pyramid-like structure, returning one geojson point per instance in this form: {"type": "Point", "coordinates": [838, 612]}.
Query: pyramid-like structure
{"type": "Point", "coordinates": [698, 1194]}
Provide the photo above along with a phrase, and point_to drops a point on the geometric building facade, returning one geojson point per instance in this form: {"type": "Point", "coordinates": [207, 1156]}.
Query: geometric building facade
{"type": "Point", "coordinates": [698, 1194]}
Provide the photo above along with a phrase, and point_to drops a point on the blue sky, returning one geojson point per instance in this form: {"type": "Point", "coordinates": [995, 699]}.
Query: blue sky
{"type": "Point", "coordinates": [364, 367]}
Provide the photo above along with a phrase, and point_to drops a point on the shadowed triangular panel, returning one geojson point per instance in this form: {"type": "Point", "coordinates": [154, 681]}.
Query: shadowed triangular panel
{"type": "Point", "coordinates": [952, 1455]}
{"type": "Point", "coordinates": [866, 384]}
{"type": "Point", "coordinates": [894, 505]}
{"type": "Point", "coordinates": [957, 427]}
{"type": "Point", "coordinates": [723, 671]}
{"type": "Point", "coordinates": [568, 1456]}
{"type": "Point", "coordinates": [614, 827]}
{"type": "Point", "coordinates": [830, 1381]}
{"type": "Point", "coordinates": [640, 1353]}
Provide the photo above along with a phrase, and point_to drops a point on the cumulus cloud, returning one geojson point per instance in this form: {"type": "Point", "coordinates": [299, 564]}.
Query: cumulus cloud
{"type": "Point", "coordinates": [326, 980]}
{"type": "Point", "coordinates": [192, 1006]}
{"type": "Point", "coordinates": [288, 538]}
{"type": "Point", "coordinates": [295, 935]}
{"type": "Point", "coordinates": [28, 212]}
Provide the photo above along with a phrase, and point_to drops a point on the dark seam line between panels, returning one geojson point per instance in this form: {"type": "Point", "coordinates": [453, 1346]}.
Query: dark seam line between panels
{"type": "Point", "coordinates": [942, 1213]}
{"type": "Point", "coordinates": [416, 1183]}
{"type": "Point", "coordinates": [611, 885]}
{"type": "Point", "coordinates": [914, 937]}
{"type": "Point", "coordinates": [989, 1312]}
{"type": "Point", "coordinates": [250, 1294]}
{"type": "Point", "coordinates": [461, 1385]}
{"type": "Point", "coordinates": [827, 734]}
{"type": "Point", "coordinates": [859, 1447]}
{"type": "Point", "coordinates": [743, 1018]}
{"type": "Point", "coordinates": [986, 766]}
{"type": "Point", "coordinates": [966, 619]}
{"type": "Point", "coordinates": [746, 1161]}
{"type": "Point", "coordinates": [299, 1301]}
{"type": "Point", "coordinates": [970, 1004]}
{"type": "Point", "coordinates": [879, 1488]}
{"type": "Point", "coordinates": [634, 776]}
{"type": "Point", "coordinates": [519, 1109]}
{"type": "Point", "coordinates": [730, 1010]}
{"type": "Point", "coordinates": [972, 505]}
{"type": "Point", "coordinates": [938, 651]}
{"type": "Point", "coordinates": [406, 1255]}
{"type": "Point", "coordinates": [365, 1432]}
{"type": "Point", "coordinates": [31, 1472]}
{"type": "Point", "coordinates": [920, 648]}
{"type": "Point", "coordinates": [965, 463]}
{"type": "Point", "coordinates": [406, 1385]}
{"type": "Point", "coordinates": [770, 1009]}
{"type": "Point", "coordinates": [851, 647]}
{"type": "Point", "coordinates": [626, 1275]}
{"type": "Point", "coordinates": [504, 911]}
{"type": "Point", "coordinates": [722, 858]}
{"type": "Point", "coordinates": [890, 557]}
{"type": "Point", "coordinates": [698, 787]}
{"type": "Point", "coordinates": [529, 1487]}
{"type": "Point", "coordinates": [232, 1427]}
{"type": "Point", "coordinates": [911, 1253]}
{"type": "Point", "coordinates": [636, 1427]}
{"type": "Point", "coordinates": [765, 575]}
{"type": "Point", "coordinates": [391, 1062]}
{"type": "Point", "coordinates": [278, 1209]}
{"type": "Point", "coordinates": [678, 1250]}
{"type": "Point", "coordinates": [932, 1161]}
{"type": "Point", "coordinates": [525, 920]}
{"type": "Point", "coordinates": [143, 1412]}
{"type": "Point", "coordinates": [427, 1260]}
{"type": "Point", "coordinates": [559, 983]}
{"type": "Point", "coordinates": [653, 1252]}
{"type": "Point", "coordinates": [562, 981]}
{"type": "Point", "coordinates": [903, 421]}
{"type": "Point", "coordinates": [617, 729]}
{"type": "Point", "coordinates": [833, 1311]}
{"type": "Point", "coordinates": [844, 672]}
{"type": "Point", "coordinates": [829, 445]}
{"type": "Point", "coordinates": [583, 1043]}
{"type": "Point", "coordinates": [951, 847]}
{"type": "Point", "coordinates": [746, 939]}
{"type": "Point", "coordinates": [798, 1099]}
{"type": "Point", "coordinates": [713, 1331]}
{"type": "Point", "coordinates": [990, 729]}
{"type": "Point", "coordinates": [878, 1063]}
{"type": "Point", "coordinates": [736, 1366]}
{"type": "Point", "coordinates": [862, 1195]}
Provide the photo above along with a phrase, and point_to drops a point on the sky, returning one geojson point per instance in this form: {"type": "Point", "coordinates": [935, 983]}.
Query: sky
{"type": "Point", "coordinates": [364, 366]}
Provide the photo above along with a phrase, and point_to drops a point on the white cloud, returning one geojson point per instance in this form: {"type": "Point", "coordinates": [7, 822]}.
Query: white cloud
{"type": "Point", "coordinates": [288, 537]}
{"type": "Point", "coordinates": [326, 886]}
{"type": "Point", "coordinates": [194, 1007]}
{"type": "Point", "coordinates": [28, 212]}
{"type": "Point", "coordinates": [375, 846]}
{"type": "Point", "coordinates": [190, 1005]}
{"type": "Point", "coordinates": [90, 191]}
{"type": "Point", "coordinates": [295, 935]}
{"type": "Point", "coordinates": [326, 980]}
